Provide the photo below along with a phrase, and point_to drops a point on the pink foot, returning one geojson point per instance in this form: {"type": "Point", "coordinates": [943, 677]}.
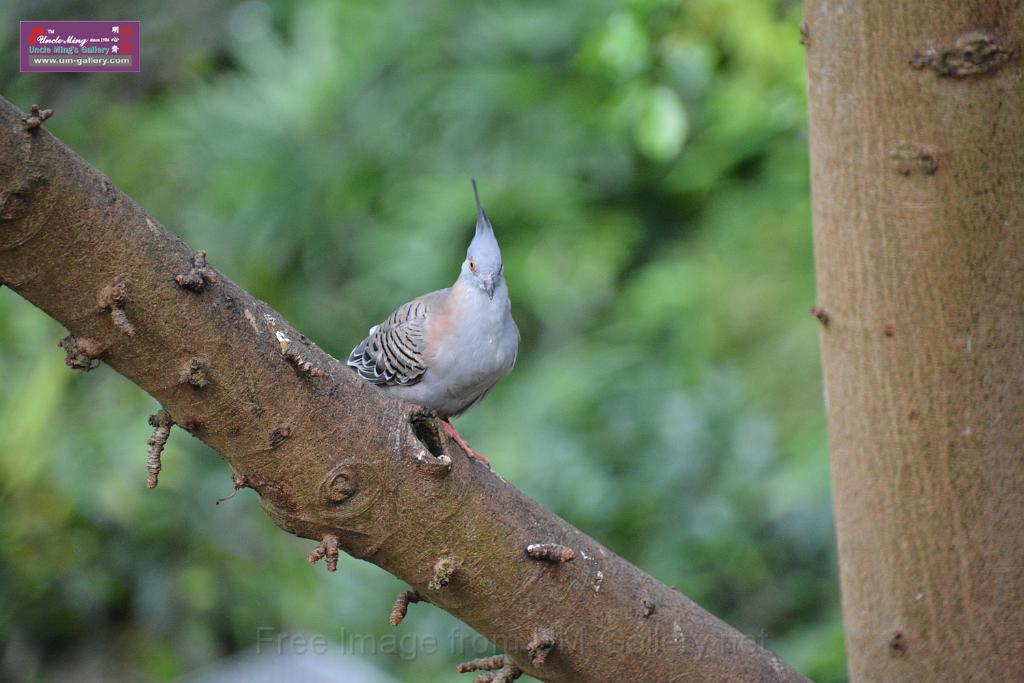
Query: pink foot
{"type": "Point", "coordinates": [450, 431]}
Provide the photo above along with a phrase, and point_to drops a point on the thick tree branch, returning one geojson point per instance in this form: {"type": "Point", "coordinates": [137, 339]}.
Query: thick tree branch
{"type": "Point", "coordinates": [331, 457]}
{"type": "Point", "coordinates": [917, 159]}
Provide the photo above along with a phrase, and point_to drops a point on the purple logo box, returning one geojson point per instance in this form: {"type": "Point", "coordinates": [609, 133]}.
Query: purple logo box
{"type": "Point", "coordinates": [80, 46]}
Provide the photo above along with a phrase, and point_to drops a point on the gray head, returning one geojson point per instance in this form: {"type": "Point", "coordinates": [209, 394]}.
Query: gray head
{"type": "Point", "coordinates": [483, 265]}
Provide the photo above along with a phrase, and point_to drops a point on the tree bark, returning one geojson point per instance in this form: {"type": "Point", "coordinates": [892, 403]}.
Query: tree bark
{"type": "Point", "coordinates": [917, 147]}
{"type": "Point", "coordinates": [331, 457]}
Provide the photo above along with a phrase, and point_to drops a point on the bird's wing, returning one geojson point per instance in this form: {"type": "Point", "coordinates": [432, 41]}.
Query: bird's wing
{"type": "Point", "coordinates": [392, 353]}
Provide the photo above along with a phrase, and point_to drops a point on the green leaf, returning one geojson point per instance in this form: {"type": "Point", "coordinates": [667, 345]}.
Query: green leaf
{"type": "Point", "coordinates": [661, 126]}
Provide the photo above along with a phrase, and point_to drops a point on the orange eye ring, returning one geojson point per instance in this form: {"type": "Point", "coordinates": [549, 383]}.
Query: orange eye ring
{"type": "Point", "coordinates": [472, 265]}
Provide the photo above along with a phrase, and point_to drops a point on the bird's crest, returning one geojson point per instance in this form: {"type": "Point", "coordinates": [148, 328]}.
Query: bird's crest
{"type": "Point", "coordinates": [484, 247]}
{"type": "Point", "coordinates": [482, 224]}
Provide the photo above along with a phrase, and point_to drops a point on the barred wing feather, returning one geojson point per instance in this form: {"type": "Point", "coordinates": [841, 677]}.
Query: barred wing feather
{"type": "Point", "coordinates": [392, 353]}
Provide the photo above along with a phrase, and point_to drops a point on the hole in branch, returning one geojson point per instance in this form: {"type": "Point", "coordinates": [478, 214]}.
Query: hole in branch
{"type": "Point", "coordinates": [425, 430]}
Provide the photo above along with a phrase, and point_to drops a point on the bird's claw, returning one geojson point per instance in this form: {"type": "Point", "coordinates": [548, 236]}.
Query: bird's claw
{"type": "Point", "coordinates": [450, 430]}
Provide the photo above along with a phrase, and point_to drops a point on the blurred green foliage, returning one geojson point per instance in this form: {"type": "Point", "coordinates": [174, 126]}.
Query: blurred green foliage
{"type": "Point", "coordinates": [644, 163]}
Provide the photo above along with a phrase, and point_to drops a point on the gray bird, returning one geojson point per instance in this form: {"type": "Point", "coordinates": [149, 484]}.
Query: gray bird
{"type": "Point", "coordinates": [445, 350]}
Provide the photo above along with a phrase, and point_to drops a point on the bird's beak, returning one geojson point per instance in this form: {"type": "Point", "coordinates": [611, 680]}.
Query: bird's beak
{"type": "Point", "coordinates": [488, 286]}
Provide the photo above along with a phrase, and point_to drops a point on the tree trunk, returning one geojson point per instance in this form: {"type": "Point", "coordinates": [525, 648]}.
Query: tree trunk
{"type": "Point", "coordinates": [331, 457]}
{"type": "Point", "coordinates": [917, 146]}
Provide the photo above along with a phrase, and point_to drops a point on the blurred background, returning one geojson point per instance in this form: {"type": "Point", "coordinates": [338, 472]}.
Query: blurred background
{"type": "Point", "coordinates": [645, 166]}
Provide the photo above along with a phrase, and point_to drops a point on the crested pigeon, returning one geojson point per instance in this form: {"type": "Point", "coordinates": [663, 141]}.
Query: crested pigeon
{"type": "Point", "coordinates": [447, 349]}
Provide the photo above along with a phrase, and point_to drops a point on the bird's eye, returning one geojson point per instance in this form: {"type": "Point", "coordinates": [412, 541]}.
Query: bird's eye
{"type": "Point", "coordinates": [472, 265]}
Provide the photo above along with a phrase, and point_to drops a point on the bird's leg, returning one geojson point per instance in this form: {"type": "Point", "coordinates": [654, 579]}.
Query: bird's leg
{"type": "Point", "coordinates": [449, 429]}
